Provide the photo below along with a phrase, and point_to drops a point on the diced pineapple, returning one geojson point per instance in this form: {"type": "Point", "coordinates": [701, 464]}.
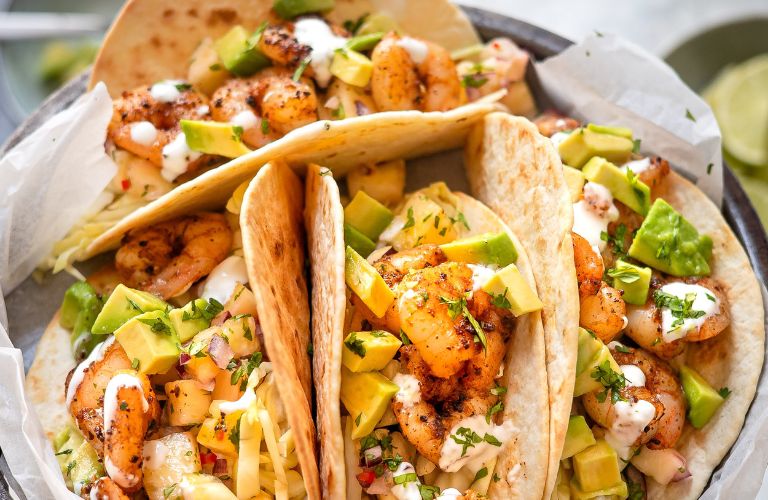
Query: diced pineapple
{"type": "Point", "coordinates": [204, 487]}
{"type": "Point", "coordinates": [384, 182]}
{"type": "Point", "coordinates": [188, 402]}
{"type": "Point", "coordinates": [166, 460]}
{"type": "Point", "coordinates": [241, 302]}
{"type": "Point", "coordinates": [240, 332]}
{"type": "Point", "coordinates": [206, 72]}
{"type": "Point", "coordinates": [425, 222]}
{"type": "Point", "coordinates": [345, 101]}
{"type": "Point", "coordinates": [216, 431]}
{"type": "Point", "coordinates": [201, 367]}
{"type": "Point", "coordinates": [224, 389]}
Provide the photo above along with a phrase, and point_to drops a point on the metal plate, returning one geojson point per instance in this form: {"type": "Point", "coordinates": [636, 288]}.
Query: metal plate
{"type": "Point", "coordinates": [31, 305]}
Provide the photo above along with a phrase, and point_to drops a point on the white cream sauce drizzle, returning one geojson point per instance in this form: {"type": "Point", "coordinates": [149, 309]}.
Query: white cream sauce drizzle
{"type": "Point", "coordinates": [629, 421]}
{"type": "Point", "coordinates": [592, 215]}
{"type": "Point", "coordinates": [176, 157]}
{"type": "Point", "coordinates": [705, 301]}
{"type": "Point", "coordinates": [481, 275]}
{"type": "Point", "coordinates": [417, 50]}
{"type": "Point", "coordinates": [143, 133]}
{"type": "Point", "coordinates": [408, 490]}
{"type": "Point", "coordinates": [166, 90]}
{"type": "Point", "coordinates": [316, 34]}
{"type": "Point", "coordinates": [97, 354]}
{"type": "Point", "coordinates": [246, 119]}
{"type": "Point", "coordinates": [223, 280]}
{"type": "Point", "coordinates": [409, 392]}
{"type": "Point", "coordinates": [451, 459]}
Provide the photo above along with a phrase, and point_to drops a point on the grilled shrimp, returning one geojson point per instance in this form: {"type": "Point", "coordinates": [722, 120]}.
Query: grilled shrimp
{"type": "Point", "coordinates": [422, 76]}
{"type": "Point", "coordinates": [662, 389]}
{"type": "Point", "coordinates": [645, 324]}
{"type": "Point", "coordinates": [167, 258]}
{"type": "Point", "coordinates": [550, 123]}
{"type": "Point", "coordinates": [106, 489]}
{"type": "Point", "coordinates": [270, 95]}
{"type": "Point", "coordinates": [279, 45]}
{"type": "Point", "coordinates": [137, 107]}
{"type": "Point", "coordinates": [602, 310]}
{"type": "Point", "coordinates": [655, 174]}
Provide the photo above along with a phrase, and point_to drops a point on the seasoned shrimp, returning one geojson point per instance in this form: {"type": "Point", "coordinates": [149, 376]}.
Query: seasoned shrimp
{"type": "Point", "coordinates": [279, 45]}
{"type": "Point", "coordinates": [158, 120]}
{"type": "Point", "coordinates": [645, 325]}
{"type": "Point", "coordinates": [662, 389]}
{"type": "Point", "coordinates": [167, 258]}
{"type": "Point", "coordinates": [106, 489]}
{"type": "Point", "coordinates": [551, 122]}
{"type": "Point", "coordinates": [421, 76]}
{"type": "Point", "coordinates": [602, 310]}
{"type": "Point", "coordinates": [654, 175]}
{"type": "Point", "coordinates": [270, 95]}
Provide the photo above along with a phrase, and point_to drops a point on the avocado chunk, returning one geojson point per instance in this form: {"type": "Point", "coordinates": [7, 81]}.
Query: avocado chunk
{"type": "Point", "coordinates": [624, 186]}
{"type": "Point", "coordinates": [591, 354]}
{"type": "Point", "coordinates": [67, 441]}
{"type": "Point", "coordinates": [615, 492]}
{"type": "Point", "coordinates": [575, 181]}
{"type": "Point", "coordinates": [288, 9]}
{"type": "Point", "coordinates": [633, 280]}
{"type": "Point", "coordinates": [204, 487]}
{"type": "Point", "coordinates": [79, 309]}
{"type": "Point", "coordinates": [191, 319]}
{"type": "Point", "coordinates": [703, 399]}
{"type": "Point", "coordinates": [605, 129]}
{"type": "Point", "coordinates": [351, 67]}
{"type": "Point", "coordinates": [582, 144]}
{"type": "Point", "coordinates": [597, 467]}
{"type": "Point", "coordinates": [578, 438]}
{"type": "Point", "coordinates": [369, 351]}
{"type": "Point", "coordinates": [150, 341]}
{"type": "Point", "coordinates": [214, 138]}
{"type": "Point", "coordinates": [510, 284]}
{"type": "Point", "coordinates": [366, 397]}
{"type": "Point", "coordinates": [668, 242]}
{"type": "Point", "coordinates": [367, 215]}
{"type": "Point", "coordinates": [490, 248]}
{"type": "Point", "coordinates": [124, 304]}
{"type": "Point", "coordinates": [246, 473]}
{"type": "Point", "coordinates": [368, 284]}
{"type": "Point", "coordinates": [78, 460]}
{"type": "Point", "coordinates": [358, 241]}
{"type": "Point", "coordinates": [237, 50]}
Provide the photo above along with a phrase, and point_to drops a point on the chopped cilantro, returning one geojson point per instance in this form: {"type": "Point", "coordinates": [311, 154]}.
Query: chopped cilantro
{"type": "Point", "coordinates": [613, 381]}
{"type": "Point", "coordinates": [498, 390]}
{"type": "Point", "coordinates": [237, 133]}
{"type": "Point", "coordinates": [467, 438]}
{"type": "Point", "coordinates": [428, 492]}
{"type": "Point", "coordinates": [474, 80]}
{"type": "Point", "coordinates": [624, 274]}
{"type": "Point", "coordinates": [500, 300]}
{"type": "Point", "coordinates": [264, 126]}
{"type": "Point", "coordinates": [123, 405]}
{"type": "Point", "coordinates": [63, 452]}
{"type": "Point", "coordinates": [636, 145]}
{"type": "Point", "coordinates": [680, 309]}
{"type": "Point", "coordinates": [459, 306]}
{"type": "Point", "coordinates": [157, 325]}
{"type": "Point", "coordinates": [689, 115]}
{"type": "Point", "coordinates": [355, 345]}
{"type": "Point", "coordinates": [339, 112]}
{"type": "Point", "coordinates": [408, 477]}
{"type": "Point", "coordinates": [244, 370]}
{"type": "Point", "coordinates": [358, 418]}
{"type": "Point", "coordinates": [491, 439]}
{"type": "Point", "coordinates": [480, 474]}
{"type": "Point", "coordinates": [411, 221]}
{"type": "Point", "coordinates": [622, 348]}
{"type": "Point", "coordinates": [499, 406]}
{"type": "Point", "coordinates": [404, 338]}
{"type": "Point", "coordinates": [181, 87]}
{"type": "Point", "coordinates": [616, 241]}
{"type": "Point", "coordinates": [234, 436]}
{"type": "Point", "coordinates": [300, 70]}
{"type": "Point", "coordinates": [724, 392]}
{"type": "Point", "coordinates": [354, 25]}
{"type": "Point", "coordinates": [135, 363]}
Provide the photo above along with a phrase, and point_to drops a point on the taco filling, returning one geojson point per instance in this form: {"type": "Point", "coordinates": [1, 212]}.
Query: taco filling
{"type": "Point", "coordinates": [645, 296]}
{"type": "Point", "coordinates": [174, 394]}
{"type": "Point", "coordinates": [431, 309]}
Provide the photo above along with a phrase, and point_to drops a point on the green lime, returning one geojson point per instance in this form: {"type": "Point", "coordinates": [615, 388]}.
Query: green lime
{"type": "Point", "coordinates": [739, 98]}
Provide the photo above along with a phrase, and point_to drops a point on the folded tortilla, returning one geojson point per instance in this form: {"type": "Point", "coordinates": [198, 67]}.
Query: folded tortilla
{"type": "Point", "coordinates": [517, 171]}
{"type": "Point", "coordinates": [153, 40]}
{"type": "Point", "coordinates": [271, 222]}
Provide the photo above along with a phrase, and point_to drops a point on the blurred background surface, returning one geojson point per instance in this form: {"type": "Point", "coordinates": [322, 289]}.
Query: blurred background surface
{"type": "Point", "coordinates": [706, 41]}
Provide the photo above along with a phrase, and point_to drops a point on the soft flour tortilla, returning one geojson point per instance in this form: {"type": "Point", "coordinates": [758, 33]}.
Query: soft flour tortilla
{"type": "Point", "coordinates": [341, 145]}
{"type": "Point", "coordinates": [525, 403]}
{"type": "Point", "coordinates": [271, 221]}
{"type": "Point", "coordinates": [733, 359]}
{"type": "Point", "coordinates": [153, 40]}
{"type": "Point", "coordinates": [517, 172]}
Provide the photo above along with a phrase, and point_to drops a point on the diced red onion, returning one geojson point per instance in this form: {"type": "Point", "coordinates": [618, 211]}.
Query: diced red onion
{"type": "Point", "coordinates": [221, 318]}
{"type": "Point", "coordinates": [220, 351]}
{"type": "Point", "coordinates": [361, 108]}
{"type": "Point", "coordinates": [184, 358]}
{"type": "Point", "coordinates": [371, 456]}
{"type": "Point", "coordinates": [220, 467]}
{"type": "Point", "coordinates": [332, 103]}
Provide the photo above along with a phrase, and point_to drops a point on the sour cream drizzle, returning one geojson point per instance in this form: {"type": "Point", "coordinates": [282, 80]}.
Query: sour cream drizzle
{"type": "Point", "coordinates": [637, 166]}
{"type": "Point", "coordinates": [417, 50]}
{"type": "Point", "coordinates": [97, 354]}
{"type": "Point", "coordinates": [221, 282]}
{"type": "Point", "coordinates": [143, 133]}
{"type": "Point", "coordinates": [316, 34]}
{"type": "Point", "coordinates": [119, 381]}
{"type": "Point", "coordinates": [408, 490]}
{"type": "Point", "coordinates": [246, 119]}
{"type": "Point", "coordinates": [176, 157]}
{"type": "Point", "coordinates": [629, 421]}
{"type": "Point", "coordinates": [409, 392]}
{"type": "Point", "coordinates": [166, 90]}
{"type": "Point", "coordinates": [451, 459]}
{"type": "Point", "coordinates": [481, 275]}
{"type": "Point", "coordinates": [705, 301]}
{"type": "Point", "coordinates": [592, 215]}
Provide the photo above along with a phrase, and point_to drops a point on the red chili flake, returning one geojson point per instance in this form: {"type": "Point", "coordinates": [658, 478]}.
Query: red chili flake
{"type": "Point", "coordinates": [208, 458]}
{"type": "Point", "coordinates": [366, 478]}
{"type": "Point", "coordinates": [125, 184]}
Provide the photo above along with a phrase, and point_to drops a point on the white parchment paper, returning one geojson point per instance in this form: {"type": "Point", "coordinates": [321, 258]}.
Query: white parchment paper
{"type": "Point", "coordinates": [50, 184]}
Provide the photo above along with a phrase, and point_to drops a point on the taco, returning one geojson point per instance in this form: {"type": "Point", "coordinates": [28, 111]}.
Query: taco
{"type": "Point", "coordinates": [198, 84]}
{"type": "Point", "coordinates": [403, 410]}
{"type": "Point", "coordinates": [186, 359]}
{"type": "Point", "coordinates": [671, 337]}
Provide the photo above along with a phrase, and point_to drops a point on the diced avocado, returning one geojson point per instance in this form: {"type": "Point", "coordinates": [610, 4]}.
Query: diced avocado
{"type": "Point", "coordinates": [604, 129]}
{"type": "Point", "coordinates": [591, 354]}
{"type": "Point", "coordinates": [124, 304]}
{"type": "Point", "coordinates": [351, 67]}
{"type": "Point", "coordinates": [67, 441]}
{"type": "Point", "coordinates": [597, 467]}
{"type": "Point", "coordinates": [633, 280]}
{"type": "Point", "coordinates": [214, 138]}
{"type": "Point", "coordinates": [369, 351]}
{"type": "Point", "coordinates": [358, 241]}
{"type": "Point", "coordinates": [582, 144]}
{"type": "Point", "coordinates": [366, 397]}
{"type": "Point", "coordinates": [288, 9]}
{"type": "Point", "coordinates": [668, 242]}
{"type": "Point", "coordinates": [368, 284]}
{"type": "Point", "coordinates": [575, 180]}
{"type": "Point", "coordinates": [238, 51]}
{"type": "Point", "coordinates": [367, 215]}
{"type": "Point", "coordinates": [703, 399]}
{"type": "Point", "coordinates": [79, 310]}
{"type": "Point", "coordinates": [615, 492]}
{"type": "Point", "coordinates": [150, 340]}
{"type": "Point", "coordinates": [376, 23]}
{"type": "Point", "coordinates": [509, 282]}
{"type": "Point", "coordinates": [190, 320]}
{"type": "Point", "coordinates": [489, 248]}
{"type": "Point", "coordinates": [624, 186]}
{"type": "Point", "coordinates": [246, 477]}
{"type": "Point", "coordinates": [365, 42]}
{"type": "Point", "coordinates": [578, 438]}
{"type": "Point", "coordinates": [204, 487]}
{"type": "Point", "coordinates": [83, 465]}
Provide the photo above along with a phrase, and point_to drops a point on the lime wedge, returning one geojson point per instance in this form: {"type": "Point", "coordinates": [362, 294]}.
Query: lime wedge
{"type": "Point", "coordinates": [739, 98]}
